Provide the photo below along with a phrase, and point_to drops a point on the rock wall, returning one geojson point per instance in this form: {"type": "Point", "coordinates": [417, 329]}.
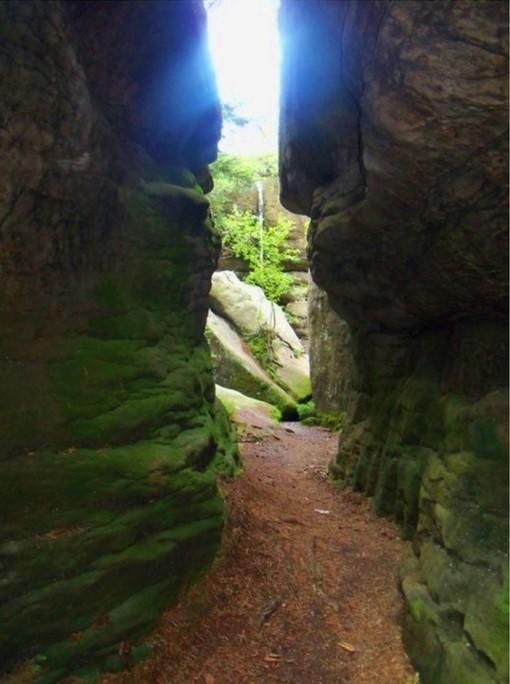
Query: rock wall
{"type": "Point", "coordinates": [398, 152]}
{"type": "Point", "coordinates": [331, 362]}
{"type": "Point", "coordinates": [110, 431]}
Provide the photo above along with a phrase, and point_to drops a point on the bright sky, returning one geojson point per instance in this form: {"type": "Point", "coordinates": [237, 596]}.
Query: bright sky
{"type": "Point", "coordinates": [243, 38]}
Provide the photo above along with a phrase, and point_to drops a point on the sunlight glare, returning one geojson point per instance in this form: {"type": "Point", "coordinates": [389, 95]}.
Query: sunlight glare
{"type": "Point", "coordinates": [243, 39]}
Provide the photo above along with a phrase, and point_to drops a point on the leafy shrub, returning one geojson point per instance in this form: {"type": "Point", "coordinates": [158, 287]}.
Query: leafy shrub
{"type": "Point", "coordinates": [260, 347]}
{"type": "Point", "coordinates": [264, 249]}
{"type": "Point", "coordinates": [235, 175]}
{"type": "Point", "coordinates": [306, 410]}
{"type": "Point", "coordinates": [309, 415]}
{"type": "Point", "coordinates": [232, 176]}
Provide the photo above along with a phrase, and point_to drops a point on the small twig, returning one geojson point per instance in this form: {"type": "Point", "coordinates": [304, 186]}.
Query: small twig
{"type": "Point", "coordinates": [314, 565]}
{"type": "Point", "coordinates": [266, 612]}
{"type": "Point", "coordinates": [317, 577]}
{"type": "Point", "coordinates": [294, 521]}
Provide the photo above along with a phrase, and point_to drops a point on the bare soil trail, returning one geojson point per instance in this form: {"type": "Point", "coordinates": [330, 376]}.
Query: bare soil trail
{"type": "Point", "coordinates": [305, 591]}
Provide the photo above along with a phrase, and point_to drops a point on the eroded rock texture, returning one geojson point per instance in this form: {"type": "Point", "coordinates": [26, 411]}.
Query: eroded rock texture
{"type": "Point", "coordinates": [331, 362]}
{"type": "Point", "coordinates": [110, 432]}
{"type": "Point", "coordinates": [394, 141]}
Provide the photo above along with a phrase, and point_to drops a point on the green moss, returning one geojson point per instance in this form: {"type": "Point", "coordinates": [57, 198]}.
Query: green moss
{"type": "Point", "coordinates": [94, 560]}
{"type": "Point", "coordinates": [293, 381]}
{"type": "Point", "coordinates": [484, 440]}
{"type": "Point", "coordinates": [437, 462]}
{"type": "Point", "coordinates": [260, 347]}
{"type": "Point", "coordinates": [178, 195]}
{"type": "Point", "coordinates": [111, 442]}
{"type": "Point", "coordinates": [234, 401]}
{"type": "Point", "coordinates": [309, 415]}
{"type": "Point", "coordinates": [297, 384]}
{"type": "Point", "coordinates": [411, 466]}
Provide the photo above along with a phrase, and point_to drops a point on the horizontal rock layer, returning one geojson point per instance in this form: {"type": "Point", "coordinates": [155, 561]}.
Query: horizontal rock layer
{"type": "Point", "coordinates": [393, 140]}
{"type": "Point", "coordinates": [110, 430]}
{"type": "Point", "coordinates": [399, 157]}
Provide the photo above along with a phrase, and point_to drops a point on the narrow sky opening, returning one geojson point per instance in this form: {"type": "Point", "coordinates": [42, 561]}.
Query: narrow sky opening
{"type": "Point", "coordinates": [244, 44]}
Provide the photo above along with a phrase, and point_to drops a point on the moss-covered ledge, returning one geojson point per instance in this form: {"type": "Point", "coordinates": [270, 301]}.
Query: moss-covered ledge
{"type": "Point", "coordinates": [111, 437]}
{"type": "Point", "coordinates": [110, 505]}
{"type": "Point", "coordinates": [428, 440]}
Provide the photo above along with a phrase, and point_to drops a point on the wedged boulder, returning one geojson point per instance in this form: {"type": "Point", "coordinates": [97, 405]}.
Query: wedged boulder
{"type": "Point", "coordinates": [236, 368]}
{"type": "Point", "coordinates": [247, 411]}
{"type": "Point", "coordinates": [269, 334]}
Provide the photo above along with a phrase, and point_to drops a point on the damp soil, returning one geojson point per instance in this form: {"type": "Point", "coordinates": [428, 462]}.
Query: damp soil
{"type": "Point", "coordinates": [305, 590]}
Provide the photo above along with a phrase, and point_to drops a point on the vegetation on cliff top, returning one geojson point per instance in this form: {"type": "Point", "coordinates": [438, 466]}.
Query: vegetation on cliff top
{"type": "Point", "coordinates": [261, 245]}
{"type": "Point", "coordinates": [234, 176]}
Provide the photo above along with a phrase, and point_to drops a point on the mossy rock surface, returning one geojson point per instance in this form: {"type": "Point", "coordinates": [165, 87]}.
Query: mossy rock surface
{"type": "Point", "coordinates": [113, 438]}
{"type": "Point", "coordinates": [243, 409]}
{"type": "Point", "coordinates": [434, 461]}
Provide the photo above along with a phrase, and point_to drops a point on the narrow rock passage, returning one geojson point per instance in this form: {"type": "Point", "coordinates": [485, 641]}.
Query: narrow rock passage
{"type": "Point", "coordinates": [305, 591]}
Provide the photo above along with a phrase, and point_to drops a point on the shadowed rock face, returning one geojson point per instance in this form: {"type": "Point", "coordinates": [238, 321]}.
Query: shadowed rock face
{"type": "Point", "coordinates": [394, 141]}
{"type": "Point", "coordinates": [109, 431]}
{"type": "Point", "coordinates": [143, 93]}
{"type": "Point", "coordinates": [396, 146]}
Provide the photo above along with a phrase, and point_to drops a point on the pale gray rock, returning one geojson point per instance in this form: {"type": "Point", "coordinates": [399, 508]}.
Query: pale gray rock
{"type": "Point", "coordinates": [236, 368]}
{"type": "Point", "coordinates": [254, 316]}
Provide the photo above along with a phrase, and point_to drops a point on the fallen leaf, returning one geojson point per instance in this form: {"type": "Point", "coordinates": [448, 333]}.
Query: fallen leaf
{"type": "Point", "coordinates": [346, 646]}
{"type": "Point", "coordinates": [209, 679]}
{"type": "Point", "coordinates": [293, 521]}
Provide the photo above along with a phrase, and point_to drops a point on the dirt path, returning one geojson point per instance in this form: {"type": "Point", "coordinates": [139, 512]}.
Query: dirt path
{"type": "Point", "coordinates": [305, 591]}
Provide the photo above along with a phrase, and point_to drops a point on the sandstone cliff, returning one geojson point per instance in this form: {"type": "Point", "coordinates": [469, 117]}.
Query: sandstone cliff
{"type": "Point", "coordinates": [110, 431]}
{"type": "Point", "coordinates": [394, 141]}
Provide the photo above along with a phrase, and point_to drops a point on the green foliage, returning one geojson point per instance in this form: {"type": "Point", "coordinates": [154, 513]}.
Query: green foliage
{"type": "Point", "coordinates": [260, 347]}
{"type": "Point", "coordinates": [234, 176]}
{"type": "Point", "coordinates": [265, 165]}
{"type": "Point", "coordinates": [306, 410]}
{"type": "Point", "coordinates": [309, 415]}
{"type": "Point", "coordinates": [264, 249]}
